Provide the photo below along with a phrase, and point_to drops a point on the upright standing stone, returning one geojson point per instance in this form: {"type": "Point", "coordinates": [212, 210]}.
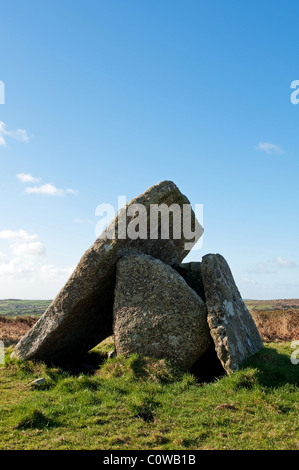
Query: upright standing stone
{"type": "Point", "coordinates": [157, 314]}
{"type": "Point", "coordinates": [81, 315]}
{"type": "Point", "coordinates": [233, 330]}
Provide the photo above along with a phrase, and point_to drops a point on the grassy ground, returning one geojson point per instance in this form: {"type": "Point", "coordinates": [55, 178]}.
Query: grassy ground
{"type": "Point", "coordinates": [140, 403]}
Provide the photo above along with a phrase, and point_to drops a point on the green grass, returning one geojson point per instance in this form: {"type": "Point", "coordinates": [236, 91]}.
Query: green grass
{"type": "Point", "coordinates": [142, 403]}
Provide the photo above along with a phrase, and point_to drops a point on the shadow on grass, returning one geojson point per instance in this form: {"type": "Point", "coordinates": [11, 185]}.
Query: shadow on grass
{"type": "Point", "coordinates": [36, 419]}
{"type": "Point", "coordinates": [275, 368]}
{"type": "Point", "coordinates": [158, 370]}
{"type": "Point", "coordinates": [207, 368]}
{"type": "Point", "coordinates": [272, 365]}
{"type": "Point", "coordinates": [87, 363]}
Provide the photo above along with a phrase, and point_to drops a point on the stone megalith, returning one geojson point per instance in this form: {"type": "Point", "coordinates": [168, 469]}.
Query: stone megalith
{"type": "Point", "coordinates": [232, 328]}
{"type": "Point", "coordinates": [157, 314]}
{"type": "Point", "coordinates": [81, 315]}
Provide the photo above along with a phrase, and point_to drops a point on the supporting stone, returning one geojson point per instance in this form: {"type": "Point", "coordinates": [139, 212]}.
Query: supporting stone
{"type": "Point", "coordinates": [157, 314]}
{"type": "Point", "coordinates": [233, 330]}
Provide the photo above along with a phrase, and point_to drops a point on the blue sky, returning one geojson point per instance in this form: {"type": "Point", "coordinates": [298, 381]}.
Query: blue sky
{"type": "Point", "coordinates": [107, 98]}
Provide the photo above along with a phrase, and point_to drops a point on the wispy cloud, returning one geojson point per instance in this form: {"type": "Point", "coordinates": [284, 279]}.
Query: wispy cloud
{"type": "Point", "coordinates": [269, 148]}
{"type": "Point", "coordinates": [26, 260]}
{"type": "Point", "coordinates": [272, 266]}
{"type": "Point", "coordinates": [252, 289]}
{"type": "Point", "coordinates": [71, 191]}
{"type": "Point", "coordinates": [16, 268]}
{"type": "Point", "coordinates": [27, 178]}
{"type": "Point", "coordinates": [261, 268]}
{"type": "Point", "coordinates": [52, 273]}
{"type": "Point", "coordinates": [50, 190]}
{"type": "Point", "coordinates": [3, 258]}
{"type": "Point", "coordinates": [18, 134]}
{"type": "Point", "coordinates": [22, 243]}
{"type": "Point", "coordinates": [47, 188]}
{"type": "Point", "coordinates": [17, 235]}
{"type": "Point", "coordinates": [283, 263]}
{"type": "Point", "coordinates": [28, 249]}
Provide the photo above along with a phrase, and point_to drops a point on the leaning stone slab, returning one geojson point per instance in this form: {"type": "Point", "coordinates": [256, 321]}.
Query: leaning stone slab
{"type": "Point", "coordinates": [232, 328]}
{"type": "Point", "coordinates": [81, 315]}
{"type": "Point", "coordinates": [157, 314]}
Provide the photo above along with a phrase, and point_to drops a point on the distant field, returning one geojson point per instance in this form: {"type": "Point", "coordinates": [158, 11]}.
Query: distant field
{"type": "Point", "coordinates": [277, 320]}
{"type": "Point", "coordinates": [272, 304]}
{"type": "Point", "coordinates": [14, 307]}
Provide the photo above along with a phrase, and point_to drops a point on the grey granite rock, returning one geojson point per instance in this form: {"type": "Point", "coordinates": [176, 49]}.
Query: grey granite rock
{"type": "Point", "coordinates": [81, 315]}
{"type": "Point", "coordinates": [157, 314]}
{"type": "Point", "coordinates": [232, 328]}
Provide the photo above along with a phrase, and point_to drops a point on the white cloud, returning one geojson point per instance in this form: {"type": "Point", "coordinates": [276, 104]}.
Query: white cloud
{"type": "Point", "coordinates": [25, 248]}
{"type": "Point", "coordinates": [16, 268]}
{"type": "Point", "coordinates": [27, 178]}
{"type": "Point", "coordinates": [20, 267]}
{"type": "Point", "coordinates": [3, 258]}
{"type": "Point", "coordinates": [28, 249]}
{"type": "Point", "coordinates": [261, 268]}
{"type": "Point", "coordinates": [272, 266]}
{"type": "Point", "coordinates": [51, 273]}
{"type": "Point", "coordinates": [269, 148]}
{"type": "Point", "coordinates": [50, 190]}
{"type": "Point", "coordinates": [17, 235]}
{"type": "Point", "coordinates": [283, 263]}
{"type": "Point", "coordinates": [18, 134]}
{"type": "Point", "coordinates": [251, 289]}
{"type": "Point", "coordinates": [71, 191]}
{"type": "Point", "coordinates": [26, 263]}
